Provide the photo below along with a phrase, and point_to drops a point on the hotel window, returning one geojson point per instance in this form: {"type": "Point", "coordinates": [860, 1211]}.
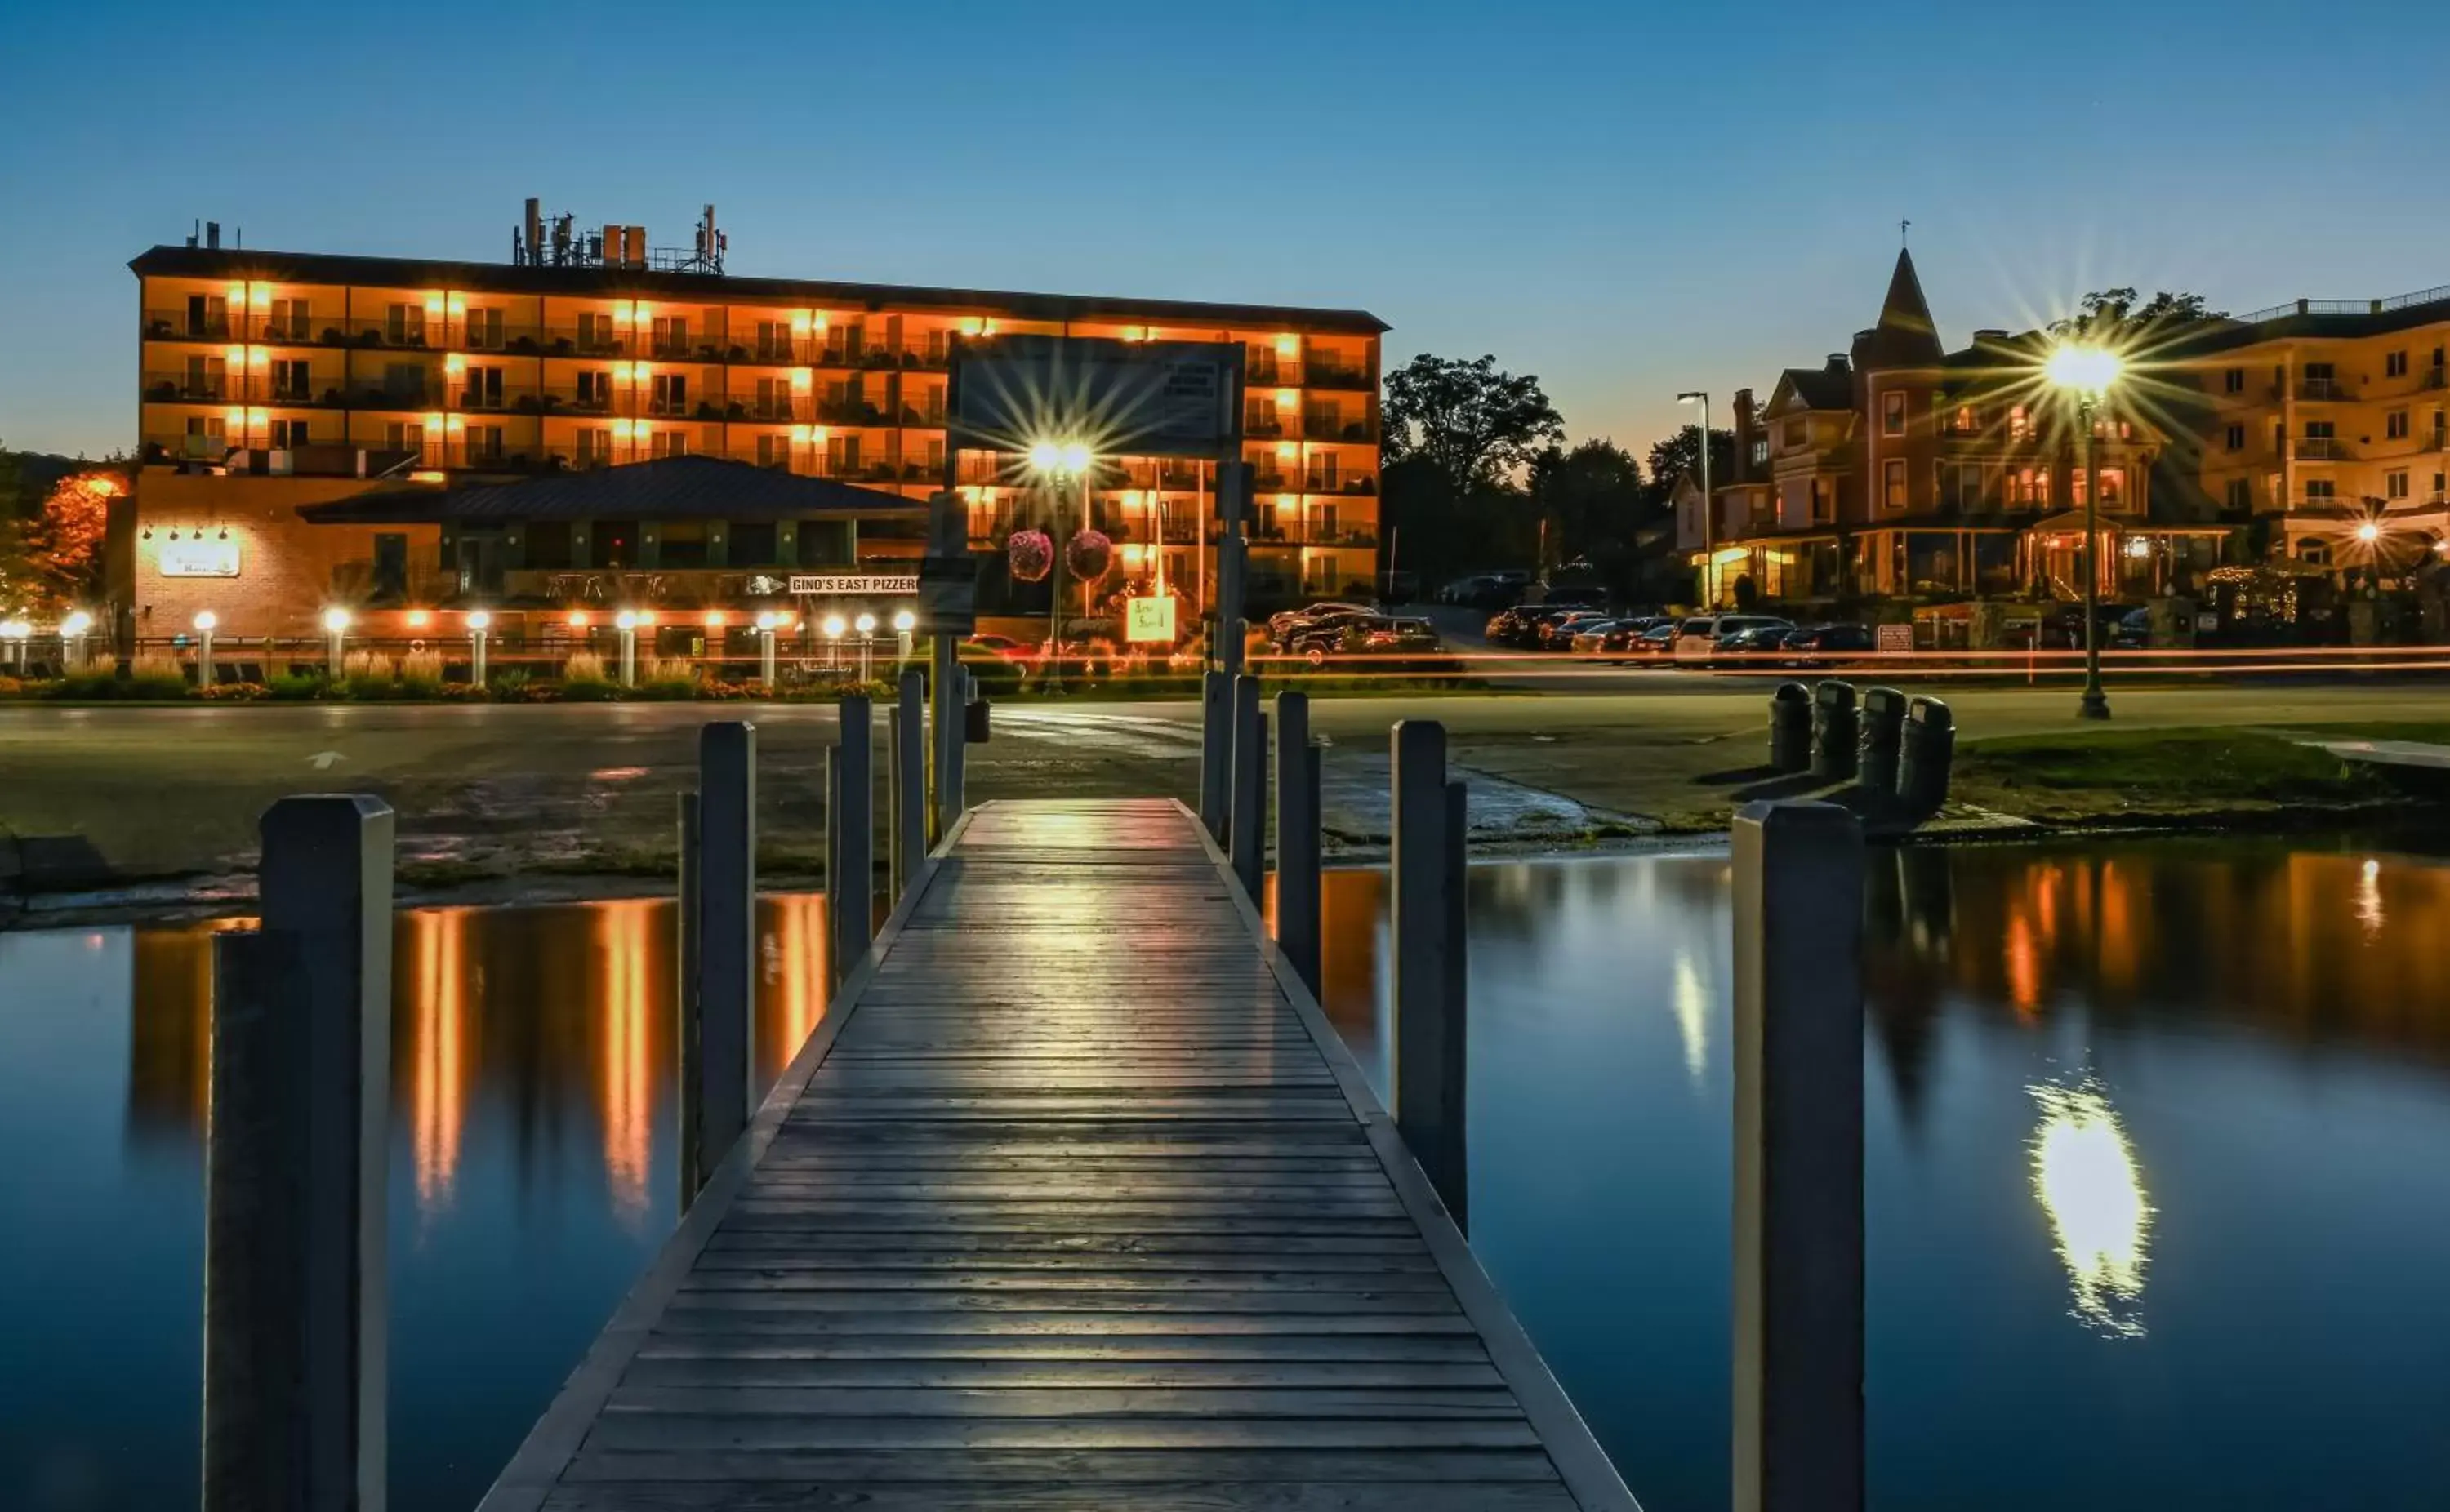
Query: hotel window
{"type": "Point", "coordinates": [1760, 450]}
{"type": "Point", "coordinates": [483, 443]}
{"type": "Point", "coordinates": [290, 319]}
{"type": "Point", "coordinates": [2321, 490]}
{"type": "Point", "coordinates": [2394, 483]}
{"type": "Point", "coordinates": [595, 446]}
{"type": "Point", "coordinates": [774, 342]}
{"type": "Point", "coordinates": [2236, 439]}
{"type": "Point", "coordinates": [404, 382]}
{"type": "Point", "coordinates": [483, 389]}
{"type": "Point", "coordinates": [773, 399]}
{"type": "Point", "coordinates": [481, 330]}
{"type": "Point", "coordinates": [207, 315]}
{"type": "Point", "coordinates": [596, 332]}
{"type": "Point", "coordinates": [2020, 424]}
{"type": "Point", "coordinates": [288, 434]}
{"type": "Point", "coordinates": [671, 394]}
{"type": "Point", "coordinates": [684, 544]}
{"type": "Point", "coordinates": [1824, 502]}
{"type": "Point", "coordinates": [207, 377]}
{"type": "Point", "coordinates": [1259, 417]}
{"type": "Point", "coordinates": [1892, 412]}
{"type": "Point", "coordinates": [752, 544]}
{"type": "Point", "coordinates": [1893, 484]}
{"type": "Point", "coordinates": [2394, 365]}
{"type": "Point", "coordinates": [2114, 488]}
{"type": "Point", "coordinates": [1963, 421]}
{"type": "Point", "coordinates": [2030, 486]}
{"type": "Point", "coordinates": [404, 325]}
{"type": "Point", "coordinates": [2241, 494]}
{"type": "Point", "coordinates": [292, 380]}
{"type": "Point", "coordinates": [616, 543]}
{"type": "Point", "coordinates": [1961, 486]}
{"type": "Point", "coordinates": [669, 443]}
{"type": "Point", "coordinates": [2394, 425]}
{"type": "Point", "coordinates": [549, 543]}
{"type": "Point", "coordinates": [404, 437]}
{"type": "Point", "coordinates": [595, 390]}
{"type": "Point", "coordinates": [774, 451]}
{"type": "Point", "coordinates": [2234, 381]}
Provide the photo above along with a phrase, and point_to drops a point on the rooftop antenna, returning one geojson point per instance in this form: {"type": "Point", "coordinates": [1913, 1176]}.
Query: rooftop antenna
{"type": "Point", "coordinates": [1902, 227]}
{"type": "Point", "coordinates": [195, 231]}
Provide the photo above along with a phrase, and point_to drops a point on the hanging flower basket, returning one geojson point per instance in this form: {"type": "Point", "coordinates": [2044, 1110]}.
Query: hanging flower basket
{"type": "Point", "coordinates": [1088, 555]}
{"type": "Point", "coordinates": [1032, 556]}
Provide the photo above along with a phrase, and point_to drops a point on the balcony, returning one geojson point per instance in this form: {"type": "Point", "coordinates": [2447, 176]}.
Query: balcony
{"type": "Point", "coordinates": [1330, 426]}
{"type": "Point", "coordinates": [1352, 483]}
{"type": "Point", "coordinates": [189, 388]}
{"type": "Point", "coordinates": [2316, 391]}
{"type": "Point", "coordinates": [1327, 373]}
{"type": "Point", "coordinates": [2321, 449]}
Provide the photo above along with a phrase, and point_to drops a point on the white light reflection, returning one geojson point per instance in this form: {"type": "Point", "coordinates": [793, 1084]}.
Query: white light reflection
{"type": "Point", "coordinates": [2092, 1188]}
{"type": "Point", "coordinates": [2369, 909]}
{"type": "Point", "coordinates": [1691, 1005]}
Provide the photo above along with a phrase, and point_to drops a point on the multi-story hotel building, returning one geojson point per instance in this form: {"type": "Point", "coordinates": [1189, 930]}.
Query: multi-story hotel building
{"type": "Point", "coordinates": [1899, 468]}
{"type": "Point", "coordinates": [275, 381]}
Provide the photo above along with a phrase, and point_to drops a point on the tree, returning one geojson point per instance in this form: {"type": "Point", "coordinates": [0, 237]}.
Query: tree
{"type": "Point", "coordinates": [1679, 456]}
{"type": "Point", "coordinates": [65, 548]}
{"type": "Point", "coordinates": [2114, 314]}
{"type": "Point", "coordinates": [1595, 504]}
{"type": "Point", "coordinates": [1477, 425]}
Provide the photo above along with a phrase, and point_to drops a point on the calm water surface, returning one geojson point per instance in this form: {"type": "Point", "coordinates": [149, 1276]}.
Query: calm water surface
{"type": "Point", "coordinates": [2158, 1207]}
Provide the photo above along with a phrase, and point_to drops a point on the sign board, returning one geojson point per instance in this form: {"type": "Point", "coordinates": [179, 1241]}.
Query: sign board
{"type": "Point", "coordinates": [1894, 637]}
{"type": "Point", "coordinates": [854, 583]}
{"type": "Point", "coordinates": [1149, 619]}
{"type": "Point", "coordinates": [948, 574]}
{"type": "Point", "coordinates": [197, 557]}
{"type": "Point", "coordinates": [1120, 399]}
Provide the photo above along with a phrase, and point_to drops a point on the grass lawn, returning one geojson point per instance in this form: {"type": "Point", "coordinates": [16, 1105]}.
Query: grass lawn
{"type": "Point", "coordinates": [2165, 775]}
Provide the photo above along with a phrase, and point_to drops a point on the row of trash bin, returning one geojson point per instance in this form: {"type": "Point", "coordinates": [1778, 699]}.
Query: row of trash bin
{"type": "Point", "coordinates": [1894, 745]}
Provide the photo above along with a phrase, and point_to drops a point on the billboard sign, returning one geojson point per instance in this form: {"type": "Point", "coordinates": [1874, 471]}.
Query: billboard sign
{"type": "Point", "coordinates": [1120, 399]}
{"type": "Point", "coordinates": [198, 558]}
{"type": "Point", "coordinates": [854, 583]}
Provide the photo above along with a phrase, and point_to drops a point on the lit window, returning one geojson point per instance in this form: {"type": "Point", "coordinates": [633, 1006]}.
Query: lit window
{"type": "Point", "coordinates": [1893, 484]}
{"type": "Point", "coordinates": [2395, 484]}
{"type": "Point", "coordinates": [1892, 412]}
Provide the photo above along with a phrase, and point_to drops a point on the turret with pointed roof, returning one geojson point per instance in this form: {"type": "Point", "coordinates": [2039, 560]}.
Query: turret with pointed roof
{"type": "Point", "coordinates": [1906, 335]}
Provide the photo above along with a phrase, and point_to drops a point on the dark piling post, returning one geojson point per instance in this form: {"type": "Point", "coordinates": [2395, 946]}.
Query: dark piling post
{"type": "Point", "coordinates": [1427, 909]}
{"type": "Point", "coordinates": [1883, 730]}
{"type": "Point", "coordinates": [727, 775]}
{"type": "Point", "coordinates": [1298, 838]}
{"type": "Point", "coordinates": [1247, 831]}
{"type": "Point", "coordinates": [1790, 728]}
{"type": "Point", "coordinates": [1833, 732]}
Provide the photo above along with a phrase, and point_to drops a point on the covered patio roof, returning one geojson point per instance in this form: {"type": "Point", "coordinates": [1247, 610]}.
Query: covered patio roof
{"type": "Point", "coordinates": [671, 488]}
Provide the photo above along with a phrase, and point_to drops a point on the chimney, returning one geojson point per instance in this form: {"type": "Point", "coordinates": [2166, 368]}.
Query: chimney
{"type": "Point", "coordinates": [1744, 432]}
{"type": "Point", "coordinates": [213, 235]}
{"type": "Point", "coordinates": [1838, 362]}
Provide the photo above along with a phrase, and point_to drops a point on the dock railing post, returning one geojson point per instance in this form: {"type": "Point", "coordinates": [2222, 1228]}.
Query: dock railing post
{"type": "Point", "coordinates": [297, 1164]}
{"type": "Point", "coordinates": [1298, 838]}
{"type": "Point", "coordinates": [1798, 1141]}
{"type": "Point", "coordinates": [909, 781]}
{"type": "Point", "coordinates": [944, 692]}
{"type": "Point", "coordinates": [687, 963]}
{"type": "Point", "coordinates": [856, 924]}
{"type": "Point", "coordinates": [1216, 746]}
{"type": "Point", "coordinates": [1247, 829]}
{"type": "Point", "coordinates": [1428, 1068]}
{"type": "Point", "coordinates": [726, 760]}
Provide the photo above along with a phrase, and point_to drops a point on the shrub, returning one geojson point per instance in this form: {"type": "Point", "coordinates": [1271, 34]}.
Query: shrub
{"type": "Point", "coordinates": [156, 666]}
{"type": "Point", "coordinates": [236, 692]}
{"type": "Point", "coordinates": [294, 684]}
{"type": "Point", "coordinates": [668, 679]}
{"type": "Point", "coordinates": [421, 674]}
{"type": "Point", "coordinates": [369, 666]}
{"type": "Point", "coordinates": [583, 680]}
{"type": "Point", "coordinates": [517, 686]}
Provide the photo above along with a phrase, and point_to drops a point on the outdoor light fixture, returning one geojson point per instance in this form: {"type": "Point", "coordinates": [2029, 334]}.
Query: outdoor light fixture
{"type": "Point", "coordinates": [2368, 532]}
{"type": "Point", "coordinates": [834, 627]}
{"type": "Point", "coordinates": [478, 620]}
{"type": "Point", "coordinates": [336, 620]}
{"type": "Point", "coordinates": [627, 619]}
{"type": "Point", "coordinates": [575, 619]}
{"type": "Point", "coordinates": [2139, 548]}
{"type": "Point", "coordinates": [1046, 456]}
{"type": "Point", "coordinates": [336, 625]}
{"type": "Point", "coordinates": [866, 624]}
{"type": "Point", "coordinates": [416, 618]}
{"type": "Point", "coordinates": [2085, 373]}
{"type": "Point", "coordinates": [766, 620]}
{"type": "Point", "coordinates": [77, 623]}
{"type": "Point", "coordinates": [905, 622]}
{"type": "Point", "coordinates": [205, 620]}
{"type": "Point", "coordinates": [714, 619]}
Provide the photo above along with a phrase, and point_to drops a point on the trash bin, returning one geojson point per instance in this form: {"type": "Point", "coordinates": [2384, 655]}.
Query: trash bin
{"type": "Point", "coordinates": [1790, 728]}
{"type": "Point", "coordinates": [974, 722]}
{"type": "Point", "coordinates": [1833, 732]}
{"type": "Point", "coordinates": [1925, 755]}
{"type": "Point", "coordinates": [1884, 722]}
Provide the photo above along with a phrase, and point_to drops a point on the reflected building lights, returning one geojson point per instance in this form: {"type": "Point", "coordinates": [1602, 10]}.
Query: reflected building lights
{"type": "Point", "coordinates": [437, 1085]}
{"type": "Point", "coordinates": [2369, 909]}
{"type": "Point", "coordinates": [625, 1076]}
{"type": "Point", "coordinates": [795, 970]}
{"type": "Point", "coordinates": [1690, 1002]}
{"type": "Point", "coordinates": [2092, 1190]}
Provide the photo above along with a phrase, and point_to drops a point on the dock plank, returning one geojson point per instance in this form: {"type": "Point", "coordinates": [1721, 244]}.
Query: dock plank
{"type": "Point", "coordinates": [1072, 1201]}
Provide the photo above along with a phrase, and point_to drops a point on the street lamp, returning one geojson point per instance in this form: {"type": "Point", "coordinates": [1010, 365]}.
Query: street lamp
{"type": "Point", "coordinates": [2085, 373]}
{"type": "Point", "coordinates": [627, 623]}
{"type": "Point", "coordinates": [15, 632]}
{"type": "Point", "coordinates": [1709, 564]}
{"type": "Point", "coordinates": [766, 622]}
{"type": "Point", "coordinates": [205, 620]}
{"type": "Point", "coordinates": [1061, 461]}
{"type": "Point", "coordinates": [72, 632]}
{"type": "Point", "coordinates": [865, 624]}
{"type": "Point", "coordinates": [336, 627]}
{"type": "Point", "coordinates": [833, 627]}
{"type": "Point", "coordinates": [479, 623]}
{"type": "Point", "coordinates": [904, 623]}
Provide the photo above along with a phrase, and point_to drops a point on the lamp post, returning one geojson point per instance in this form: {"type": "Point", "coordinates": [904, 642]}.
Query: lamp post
{"type": "Point", "coordinates": [904, 623]}
{"type": "Point", "coordinates": [766, 622]}
{"type": "Point", "coordinates": [865, 624]}
{"type": "Point", "coordinates": [1060, 461]}
{"type": "Point", "coordinates": [336, 630]}
{"type": "Point", "coordinates": [1709, 529]}
{"type": "Point", "coordinates": [834, 628]}
{"type": "Point", "coordinates": [479, 623]}
{"type": "Point", "coordinates": [72, 632]}
{"type": "Point", "coordinates": [627, 623]}
{"type": "Point", "coordinates": [205, 620]}
{"type": "Point", "coordinates": [2085, 373]}
{"type": "Point", "coordinates": [15, 632]}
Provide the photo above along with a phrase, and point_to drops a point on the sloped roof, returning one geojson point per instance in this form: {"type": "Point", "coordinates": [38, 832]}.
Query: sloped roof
{"type": "Point", "coordinates": [1906, 335]}
{"type": "Point", "coordinates": [1819, 388]}
{"type": "Point", "coordinates": [665, 489]}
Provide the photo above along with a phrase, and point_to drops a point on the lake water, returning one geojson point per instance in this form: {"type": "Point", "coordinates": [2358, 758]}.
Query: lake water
{"type": "Point", "coordinates": [2158, 1201]}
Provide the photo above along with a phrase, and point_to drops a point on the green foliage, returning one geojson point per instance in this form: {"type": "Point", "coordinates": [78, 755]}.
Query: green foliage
{"type": "Point", "coordinates": [2114, 315]}
{"type": "Point", "coordinates": [589, 690]}
{"type": "Point", "coordinates": [1473, 422]}
{"type": "Point", "coordinates": [1679, 456]}
{"type": "Point", "coordinates": [144, 684]}
{"type": "Point", "coordinates": [296, 687]}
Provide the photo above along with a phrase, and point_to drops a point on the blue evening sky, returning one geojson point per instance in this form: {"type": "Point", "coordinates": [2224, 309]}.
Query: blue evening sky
{"type": "Point", "coordinates": [1625, 198]}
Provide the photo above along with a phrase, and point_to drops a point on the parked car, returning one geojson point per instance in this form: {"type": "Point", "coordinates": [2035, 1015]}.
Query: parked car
{"type": "Point", "coordinates": [1367, 635]}
{"type": "Point", "coordinates": [1697, 638]}
{"type": "Point", "coordinates": [1752, 640]}
{"type": "Point", "coordinates": [2134, 632]}
{"type": "Point", "coordinates": [1506, 628]}
{"type": "Point", "coordinates": [1660, 640]}
{"type": "Point", "coordinates": [1558, 635]}
{"type": "Point", "coordinates": [1001, 646]}
{"type": "Point", "coordinates": [1622, 633]}
{"type": "Point", "coordinates": [1590, 635]}
{"type": "Point", "coordinates": [1325, 632]}
{"type": "Point", "coordinates": [1281, 625]}
{"type": "Point", "coordinates": [1829, 639]}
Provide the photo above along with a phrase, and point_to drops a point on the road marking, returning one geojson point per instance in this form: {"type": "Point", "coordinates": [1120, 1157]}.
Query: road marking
{"type": "Point", "coordinates": [322, 760]}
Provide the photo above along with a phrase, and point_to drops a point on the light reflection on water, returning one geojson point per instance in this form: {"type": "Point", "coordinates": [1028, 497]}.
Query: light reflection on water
{"type": "Point", "coordinates": [2156, 1208]}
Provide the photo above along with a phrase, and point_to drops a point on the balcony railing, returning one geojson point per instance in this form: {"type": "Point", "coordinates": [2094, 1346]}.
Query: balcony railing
{"type": "Point", "coordinates": [2319, 391]}
{"type": "Point", "coordinates": [1321, 372]}
{"type": "Point", "coordinates": [2321, 449]}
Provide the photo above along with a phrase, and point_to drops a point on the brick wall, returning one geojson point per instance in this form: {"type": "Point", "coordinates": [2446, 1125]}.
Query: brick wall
{"type": "Point", "coordinates": [288, 570]}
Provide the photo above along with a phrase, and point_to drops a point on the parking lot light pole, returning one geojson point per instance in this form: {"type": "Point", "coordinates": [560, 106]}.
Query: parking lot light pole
{"type": "Point", "coordinates": [205, 620]}
{"type": "Point", "coordinates": [2085, 373]}
{"type": "Point", "coordinates": [865, 624]}
{"type": "Point", "coordinates": [336, 626]}
{"type": "Point", "coordinates": [1710, 593]}
{"type": "Point", "coordinates": [480, 623]}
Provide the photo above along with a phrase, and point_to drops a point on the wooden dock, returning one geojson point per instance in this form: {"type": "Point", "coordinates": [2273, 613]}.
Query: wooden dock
{"type": "Point", "coordinates": [1073, 1200]}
